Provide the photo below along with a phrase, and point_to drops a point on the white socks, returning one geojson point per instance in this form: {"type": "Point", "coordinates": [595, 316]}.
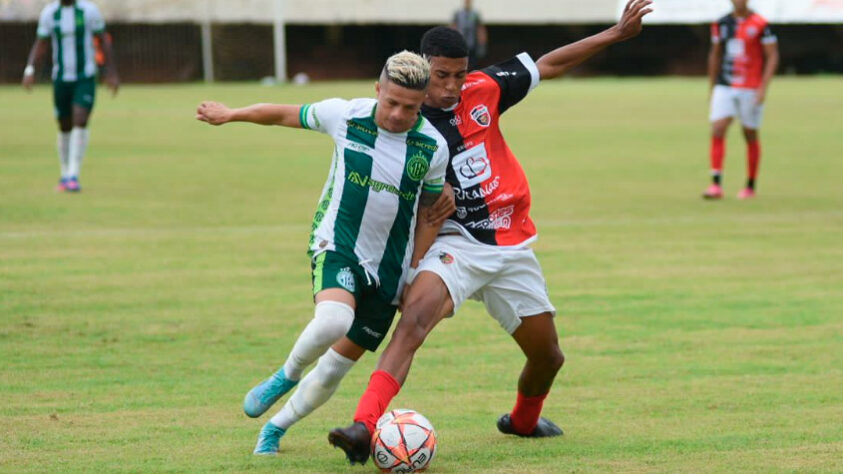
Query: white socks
{"type": "Point", "coordinates": [63, 145]}
{"type": "Point", "coordinates": [78, 144]}
{"type": "Point", "coordinates": [330, 322]}
{"type": "Point", "coordinates": [314, 390]}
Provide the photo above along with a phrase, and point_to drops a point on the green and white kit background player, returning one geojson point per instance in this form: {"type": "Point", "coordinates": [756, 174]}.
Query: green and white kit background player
{"type": "Point", "coordinates": [388, 162]}
{"type": "Point", "coordinates": [69, 26]}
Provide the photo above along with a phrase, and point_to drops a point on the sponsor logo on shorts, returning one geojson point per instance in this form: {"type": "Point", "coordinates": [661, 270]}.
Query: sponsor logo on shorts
{"type": "Point", "coordinates": [346, 279]}
{"type": "Point", "coordinates": [481, 115]}
{"type": "Point", "coordinates": [371, 332]}
{"type": "Point", "coordinates": [446, 258]}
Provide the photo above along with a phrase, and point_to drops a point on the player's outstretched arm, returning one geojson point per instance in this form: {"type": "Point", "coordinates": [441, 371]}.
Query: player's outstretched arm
{"type": "Point", "coordinates": [561, 60]}
{"type": "Point", "coordinates": [216, 113]}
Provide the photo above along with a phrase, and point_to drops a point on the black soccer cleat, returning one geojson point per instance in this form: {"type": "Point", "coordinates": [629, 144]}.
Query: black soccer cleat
{"type": "Point", "coordinates": [355, 440]}
{"type": "Point", "coordinates": [544, 429]}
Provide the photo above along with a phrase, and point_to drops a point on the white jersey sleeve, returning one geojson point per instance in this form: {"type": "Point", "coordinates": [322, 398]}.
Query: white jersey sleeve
{"type": "Point", "coordinates": [326, 116]}
{"type": "Point", "coordinates": [96, 23]}
{"type": "Point", "coordinates": [45, 23]}
{"type": "Point", "coordinates": [434, 180]}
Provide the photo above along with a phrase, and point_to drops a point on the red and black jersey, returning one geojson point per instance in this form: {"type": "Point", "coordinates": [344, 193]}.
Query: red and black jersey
{"type": "Point", "coordinates": [743, 50]}
{"type": "Point", "coordinates": [492, 193]}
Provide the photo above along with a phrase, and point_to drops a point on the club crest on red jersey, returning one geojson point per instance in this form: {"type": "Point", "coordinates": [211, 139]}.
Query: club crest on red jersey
{"type": "Point", "coordinates": [481, 115]}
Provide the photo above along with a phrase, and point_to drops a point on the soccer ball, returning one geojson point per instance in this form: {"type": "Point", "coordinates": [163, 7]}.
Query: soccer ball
{"type": "Point", "coordinates": [404, 441]}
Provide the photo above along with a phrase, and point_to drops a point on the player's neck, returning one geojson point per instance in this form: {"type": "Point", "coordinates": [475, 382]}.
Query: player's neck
{"type": "Point", "coordinates": [742, 13]}
{"type": "Point", "coordinates": [67, 3]}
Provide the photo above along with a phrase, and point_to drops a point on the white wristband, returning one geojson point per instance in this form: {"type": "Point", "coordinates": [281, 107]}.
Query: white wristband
{"type": "Point", "coordinates": [411, 275]}
{"type": "Point", "coordinates": [29, 70]}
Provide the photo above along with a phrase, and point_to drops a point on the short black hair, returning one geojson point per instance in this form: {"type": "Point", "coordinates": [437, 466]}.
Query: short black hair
{"type": "Point", "coordinates": [445, 42]}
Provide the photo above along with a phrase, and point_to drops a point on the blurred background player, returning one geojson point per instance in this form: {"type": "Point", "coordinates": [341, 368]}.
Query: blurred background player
{"type": "Point", "coordinates": [72, 26]}
{"type": "Point", "coordinates": [468, 22]}
{"type": "Point", "coordinates": [483, 250]}
{"type": "Point", "coordinates": [388, 161]}
{"type": "Point", "coordinates": [743, 60]}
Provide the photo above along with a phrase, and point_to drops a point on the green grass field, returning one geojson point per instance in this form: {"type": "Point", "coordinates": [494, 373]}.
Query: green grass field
{"type": "Point", "coordinates": [700, 336]}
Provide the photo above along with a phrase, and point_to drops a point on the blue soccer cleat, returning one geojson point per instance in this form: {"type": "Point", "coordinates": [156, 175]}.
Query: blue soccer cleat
{"type": "Point", "coordinates": [268, 440]}
{"type": "Point", "coordinates": [260, 398]}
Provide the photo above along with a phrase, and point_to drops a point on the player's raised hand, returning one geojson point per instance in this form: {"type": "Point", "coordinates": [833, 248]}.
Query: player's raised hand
{"type": "Point", "coordinates": [213, 113]}
{"type": "Point", "coordinates": [629, 25]}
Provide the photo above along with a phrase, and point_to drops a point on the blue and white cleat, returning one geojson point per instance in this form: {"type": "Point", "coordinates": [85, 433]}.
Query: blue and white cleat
{"type": "Point", "coordinates": [268, 440]}
{"type": "Point", "coordinates": [260, 398]}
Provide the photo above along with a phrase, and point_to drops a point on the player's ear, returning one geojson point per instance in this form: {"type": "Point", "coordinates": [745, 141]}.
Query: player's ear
{"type": "Point", "coordinates": [378, 88]}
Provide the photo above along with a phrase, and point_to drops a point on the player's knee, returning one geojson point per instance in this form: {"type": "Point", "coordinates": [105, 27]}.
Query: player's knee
{"type": "Point", "coordinates": [550, 361]}
{"type": "Point", "coordinates": [334, 319]}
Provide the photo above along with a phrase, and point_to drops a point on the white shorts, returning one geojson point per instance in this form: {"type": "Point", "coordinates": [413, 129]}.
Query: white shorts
{"type": "Point", "coordinates": [508, 281]}
{"type": "Point", "coordinates": [733, 101]}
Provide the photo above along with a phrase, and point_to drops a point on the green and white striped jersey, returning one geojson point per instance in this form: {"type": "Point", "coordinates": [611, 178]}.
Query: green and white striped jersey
{"type": "Point", "coordinates": [72, 30]}
{"type": "Point", "coordinates": [368, 206]}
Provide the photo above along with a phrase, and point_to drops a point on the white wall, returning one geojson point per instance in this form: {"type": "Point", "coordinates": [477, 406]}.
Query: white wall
{"type": "Point", "coordinates": [431, 11]}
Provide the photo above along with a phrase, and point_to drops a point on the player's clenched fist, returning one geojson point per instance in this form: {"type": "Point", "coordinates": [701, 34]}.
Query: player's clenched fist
{"type": "Point", "coordinates": [214, 113]}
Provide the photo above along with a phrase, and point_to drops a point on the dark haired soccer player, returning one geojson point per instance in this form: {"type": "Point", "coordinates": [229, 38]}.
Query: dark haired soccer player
{"type": "Point", "coordinates": [72, 26]}
{"type": "Point", "coordinates": [387, 162]}
{"type": "Point", "coordinates": [483, 250]}
{"type": "Point", "coordinates": [743, 60]}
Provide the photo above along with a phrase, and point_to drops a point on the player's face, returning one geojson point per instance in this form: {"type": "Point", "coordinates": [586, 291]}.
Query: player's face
{"type": "Point", "coordinates": [740, 5]}
{"type": "Point", "coordinates": [447, 76]}
{"type": "Point", "coordinates": [398, 107]}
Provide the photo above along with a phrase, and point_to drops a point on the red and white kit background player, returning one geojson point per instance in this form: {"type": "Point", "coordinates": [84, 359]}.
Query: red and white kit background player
{"type": "Point", "coordinates": [743, 60]}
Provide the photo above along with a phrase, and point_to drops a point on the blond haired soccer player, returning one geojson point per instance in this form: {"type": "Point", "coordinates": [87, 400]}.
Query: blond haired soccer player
{"type": "Point", "coordinates": [72, 25]}
{"type": "Point", "coordinates": [388, 161]}
{"type": "Point", "coordinates": [743, 60]}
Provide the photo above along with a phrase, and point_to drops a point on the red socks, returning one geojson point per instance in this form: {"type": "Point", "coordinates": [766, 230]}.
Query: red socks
{"type": "Point", "coordinates": [381, 390]}
{"type": "Point", "coordinates": [717, 154]}
{"type": "Point", "coordinates": [525, 415]}
{"type": "Point", "coordinates": [753, 157]}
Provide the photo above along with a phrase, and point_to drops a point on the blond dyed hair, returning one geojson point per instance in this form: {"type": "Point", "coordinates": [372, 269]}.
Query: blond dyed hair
{"type": "Point", "coordinates": [408, 70]}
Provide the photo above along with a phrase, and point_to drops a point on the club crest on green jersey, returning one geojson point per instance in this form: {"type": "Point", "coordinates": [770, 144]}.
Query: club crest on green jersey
{"type": "Point", "coordinates": [417, 166]}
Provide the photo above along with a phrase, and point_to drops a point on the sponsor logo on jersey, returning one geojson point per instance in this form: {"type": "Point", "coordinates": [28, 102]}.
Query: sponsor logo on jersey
{"type": "Point", "coordinates": [462, 212]}
{"type": "Point", "coordinates": [370, 332]}
{"type": "Point", "coordinates": [359, 147]}
{"type": "Point", "coordinates": [378, 186]}
{"type": "Point", "coordinates": [499, 219]}
{"type": "Point", "coordinates": [472, 166]}
{"type": "Point", "coordinates": [455, 121]}
{"type": "Point", "coordinates": [481, 115]}
{"type": "Point", "coordinates": [478, 193]}
{"type": "Point", "coordinates": [346, 279]}
{"type": "Point", "coordinates": [446, 258]}
{"type": "Point", "coordinates": [417, 166]}
{"type": "Point", "coordinates": [752, 31]}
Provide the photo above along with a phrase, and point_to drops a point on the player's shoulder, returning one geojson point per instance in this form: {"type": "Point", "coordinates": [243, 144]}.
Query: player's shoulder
{"type": "Point", "coordinates": [725, 20]}
{"type": "Point", "coordinates": [361, 107]}
{"type": "Point", "coordinates": [50, 8]}
{"type": "Point", "coordinates": [87, 6]}
{"type": "Point", "coordinates": [759, 19]}
{"type": "Point", "coordinates": [478, 83]}
{"type": "Point", "coordinates": [429, 130]}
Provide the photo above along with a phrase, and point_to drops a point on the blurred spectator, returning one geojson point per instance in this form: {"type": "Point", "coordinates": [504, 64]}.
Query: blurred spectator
{"type": "Point", "coordinates": [468, 22]}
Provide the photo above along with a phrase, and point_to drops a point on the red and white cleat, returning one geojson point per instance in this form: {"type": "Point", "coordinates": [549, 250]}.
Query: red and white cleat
{"type": "Point", "coordinates": [713, 192]}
